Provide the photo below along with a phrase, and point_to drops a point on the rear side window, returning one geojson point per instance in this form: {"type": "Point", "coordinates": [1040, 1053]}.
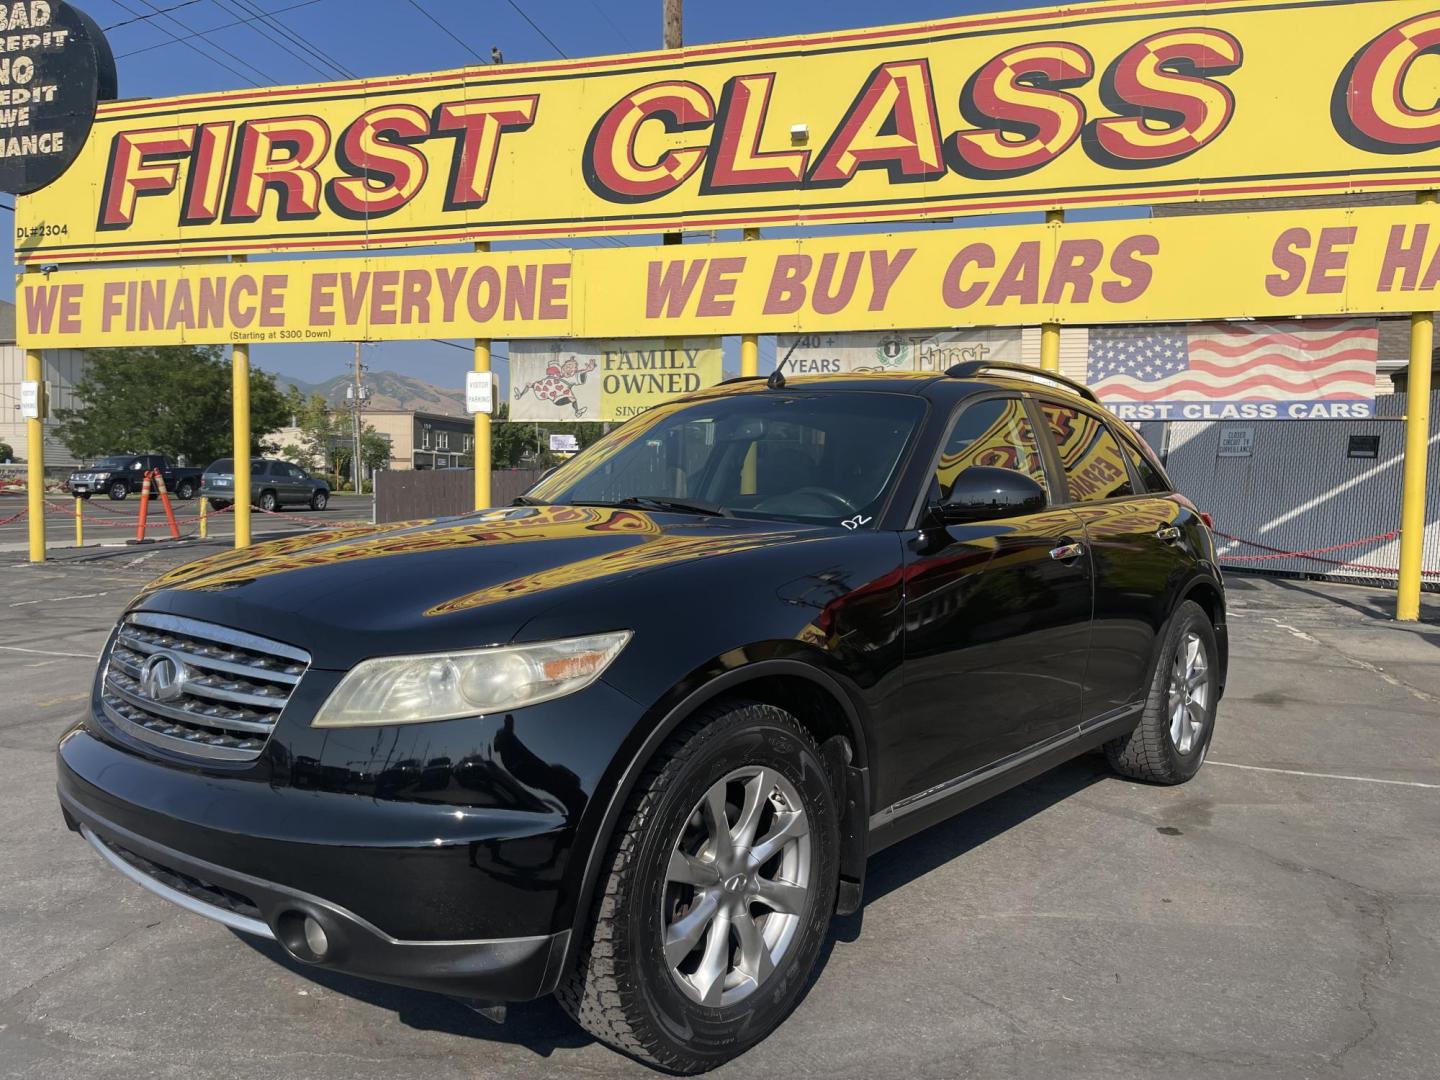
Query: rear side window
{"type": "Point", "coordinates": [1095, 466]}
{"type": "Point", "coordinates": [994, 433]}
{"type": "Point", "coordinates": [1152, 479]}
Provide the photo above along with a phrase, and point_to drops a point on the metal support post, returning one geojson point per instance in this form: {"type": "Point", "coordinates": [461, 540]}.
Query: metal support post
{"type": "Point", "coordinates": [1417, 444]}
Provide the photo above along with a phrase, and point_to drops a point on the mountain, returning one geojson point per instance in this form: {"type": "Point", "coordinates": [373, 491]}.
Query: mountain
{"type": "Point", "coordinates": [388, 390]}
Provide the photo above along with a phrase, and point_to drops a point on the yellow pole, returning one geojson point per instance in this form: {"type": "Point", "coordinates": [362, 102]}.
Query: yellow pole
{"type": "Point", "coordinates": [1417, 438]}
{"type": "Point", "coordinates": [35, 456]}
{"type": "Point", "coordinates": [79, 522]}
{"type": "Point", "coordinates": [750, 343]}
{"type": "Point", "coordinates": [1050, 332]}
{"type": "Point", "coordinates": [482, 421]}
{"type": "Point", "coordinates": [240, 441]}
{"type": "Point", "coordinates": [204, 523]}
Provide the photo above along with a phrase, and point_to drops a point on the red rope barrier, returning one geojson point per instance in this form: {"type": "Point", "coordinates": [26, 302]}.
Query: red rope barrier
{"type": "Point", "coordinates": [1314, 554]}
{"type": "Point", "coordinates": [14, 517]}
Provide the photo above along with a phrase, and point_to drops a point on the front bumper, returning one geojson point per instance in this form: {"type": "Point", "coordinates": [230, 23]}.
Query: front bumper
{"type": "Point", "coordinates": [495, 969]}
{"type": "Point", "coordinates": [424, 897]}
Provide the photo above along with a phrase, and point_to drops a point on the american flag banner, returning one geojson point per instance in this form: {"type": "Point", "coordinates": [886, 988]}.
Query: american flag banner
{"type": "Point", "coordinates": [1310, 369]}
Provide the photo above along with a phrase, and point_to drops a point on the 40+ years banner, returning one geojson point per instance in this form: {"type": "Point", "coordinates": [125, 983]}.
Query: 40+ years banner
{"type": "Point", "coordinates": [1283, 264]}
{"type": "Point", "coordinates": [1110, 102]}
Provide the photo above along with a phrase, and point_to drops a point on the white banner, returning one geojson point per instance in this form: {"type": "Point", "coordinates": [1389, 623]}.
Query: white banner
{"type": "Point", "coordinates": [892, 350]}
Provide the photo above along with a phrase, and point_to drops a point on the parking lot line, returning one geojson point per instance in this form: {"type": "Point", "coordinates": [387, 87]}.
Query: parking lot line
{"type": "Point", "coordinates": [1324, 776]}
{"type": "Point", "coordinates": [47, 652]}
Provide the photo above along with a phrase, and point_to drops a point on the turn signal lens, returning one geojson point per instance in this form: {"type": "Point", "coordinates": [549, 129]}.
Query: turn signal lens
{"type": "Point", "coordinates": [418, 689]}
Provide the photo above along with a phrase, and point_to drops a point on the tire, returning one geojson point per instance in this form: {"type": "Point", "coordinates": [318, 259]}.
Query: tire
{"type": "Point", "coordinates": [118, 491]}
{"type": "Point", "coordinates": [268, 502]}
{"type": "Point", "coordinates": [219, 504]}
{"type": "Point", "coordinates": [319, 500]}
{"type": "Point", "coordinates": [622, 988]}
{"type": "Point", "coordinates": [1161, 750]}
{"type": "Point", "coordinates": [185, 490]}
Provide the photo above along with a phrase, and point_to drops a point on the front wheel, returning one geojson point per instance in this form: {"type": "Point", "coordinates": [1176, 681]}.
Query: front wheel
{"type": "Point", "coordinates": [268, 502]}
{"type": "Point", "coordinates": [1168, 746]}
{"type": "Point", "coordinates": [319, 500]}
{"type": "Point", "coordinates": [716, 895]}
{"type": "Point", "coordinates": [118, 490]}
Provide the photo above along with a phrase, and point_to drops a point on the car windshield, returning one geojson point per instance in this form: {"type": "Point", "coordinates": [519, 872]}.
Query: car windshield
{"type": "Point", "coordinates": [113, 463]}
{"type": "Point", "coordinates": [812, 456]}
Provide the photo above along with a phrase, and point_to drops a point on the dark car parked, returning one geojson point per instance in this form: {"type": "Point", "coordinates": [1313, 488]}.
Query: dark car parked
{"type": "Point", "coordinates": [273, 485]}
{"type": "Point", "coordinates": [632, 740]}
{"type": "Point", "coordinates": [122, 475]}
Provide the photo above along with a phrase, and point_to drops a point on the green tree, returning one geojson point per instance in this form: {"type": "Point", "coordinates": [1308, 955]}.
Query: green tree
{"type": "Point", "coordinates": [171, 400]}
{"type": "Point", "coordinates": [519, 444]}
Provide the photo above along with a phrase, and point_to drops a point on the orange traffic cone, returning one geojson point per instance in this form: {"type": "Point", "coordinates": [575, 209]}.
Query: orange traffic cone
{"type": "Point", "coordinates": [165, 502]}
{"type": "Point", "coordinates": [144, 509]}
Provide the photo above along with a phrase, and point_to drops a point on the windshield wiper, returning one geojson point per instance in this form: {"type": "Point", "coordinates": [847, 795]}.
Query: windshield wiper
{"type": "Point", "coordinates": [661, 502]}
{"type": "Point", "coordinates": [526, 500]}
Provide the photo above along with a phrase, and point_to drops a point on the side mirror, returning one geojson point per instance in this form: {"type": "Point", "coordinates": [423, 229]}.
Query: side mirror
{"type": "Point", "coordinates": [983, 493]}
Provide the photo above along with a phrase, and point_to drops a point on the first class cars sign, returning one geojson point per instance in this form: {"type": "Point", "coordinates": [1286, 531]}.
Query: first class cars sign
{"type": "Point", "coordinates": [1118, 102]}
{"type": "Point", "coordinates": [55, 66]}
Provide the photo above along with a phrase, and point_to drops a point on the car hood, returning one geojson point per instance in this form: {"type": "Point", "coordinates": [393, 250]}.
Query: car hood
{"type": "Point", "coordinates": [469, 581]}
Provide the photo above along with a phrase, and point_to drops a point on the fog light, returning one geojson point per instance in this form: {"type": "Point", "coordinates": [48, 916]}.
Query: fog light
{"type": "Point", "coordinates": [315, 939]}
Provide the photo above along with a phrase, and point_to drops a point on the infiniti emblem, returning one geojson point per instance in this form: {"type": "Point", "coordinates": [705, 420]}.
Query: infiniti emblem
{"type": "Point", "coordinates": [736, 883]}
{"type": "Point", "coordinates": [163, 677]}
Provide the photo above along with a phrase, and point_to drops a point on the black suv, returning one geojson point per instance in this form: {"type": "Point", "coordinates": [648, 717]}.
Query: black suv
{"type": "Point", "coordinates": [631, 741]}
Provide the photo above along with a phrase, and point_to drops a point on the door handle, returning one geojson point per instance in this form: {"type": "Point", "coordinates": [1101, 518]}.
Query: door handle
{"type": "Point", "coordinates": [1168, 533]}
{"type": "Point", "coordinates": [1067, 552]}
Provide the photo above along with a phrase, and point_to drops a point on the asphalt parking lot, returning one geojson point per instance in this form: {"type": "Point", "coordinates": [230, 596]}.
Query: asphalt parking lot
{"type": "Point", "coordinates": [1278, 917]}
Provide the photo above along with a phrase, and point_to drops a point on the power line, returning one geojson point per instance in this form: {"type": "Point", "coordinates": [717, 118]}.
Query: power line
{"type": "Point", "coordinates": [192, 46]}
{"type": "Point", "coordinates": [521, 12]}
{"type": "Point", "coordinates": [263, 31]}
{"type": "Point", "coordinates": [448, 32]}
{"type": "Point", "coordinates": [606, 16]}
{"type": "Point", "coordinates": [177, 40]}
{"type": "Point", "coordinates": [144, 18]}
{"type": "Point", "coordinates": [209, 40]}
{"type": "Point", "coordinates": [313, 50]}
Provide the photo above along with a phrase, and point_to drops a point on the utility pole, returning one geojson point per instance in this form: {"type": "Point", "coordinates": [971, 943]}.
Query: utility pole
{"type": "Point", "coordinates": [674, 28]}
{"type": "Point", "coordinates": [357, 483]}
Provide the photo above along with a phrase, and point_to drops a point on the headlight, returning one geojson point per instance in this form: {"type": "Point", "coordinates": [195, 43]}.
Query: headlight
{"type": "Point", "coordinates": [443, 686]}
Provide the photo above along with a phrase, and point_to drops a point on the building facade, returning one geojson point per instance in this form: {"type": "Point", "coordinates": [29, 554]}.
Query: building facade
{"type": "Point", "coordinates": [422, 440]}
{"type": "Point", "coordinates": [62, 369]}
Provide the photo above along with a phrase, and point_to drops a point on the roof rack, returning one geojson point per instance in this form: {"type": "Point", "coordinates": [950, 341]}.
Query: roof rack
{"type": "Point", "coordinates": [972, 368]}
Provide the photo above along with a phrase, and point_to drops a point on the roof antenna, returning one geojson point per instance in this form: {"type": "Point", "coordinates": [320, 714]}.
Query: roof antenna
{"type": "Point", "coordinates": [777, 377]}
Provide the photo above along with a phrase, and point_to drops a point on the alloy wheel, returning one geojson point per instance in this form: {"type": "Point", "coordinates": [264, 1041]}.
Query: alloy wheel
{"type": "Point", "coordinates": [1189, 693]}
{"type": "Point", "coordinates": [736, 886]}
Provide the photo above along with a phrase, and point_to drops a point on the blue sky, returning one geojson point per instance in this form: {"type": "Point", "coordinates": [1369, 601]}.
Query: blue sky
{"type": "Point", "coordinates": [383, 37]}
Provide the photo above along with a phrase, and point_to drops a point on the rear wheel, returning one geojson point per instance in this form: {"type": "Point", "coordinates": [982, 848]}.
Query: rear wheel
{"type": "Point", "coordinates": [185, 489]}
{"type": "Point", "coordinates": [716, 894]}
{"type": "Point", "coordinates": [219, 504]}
{"type": "Point", "coordinates": [1168, 746]}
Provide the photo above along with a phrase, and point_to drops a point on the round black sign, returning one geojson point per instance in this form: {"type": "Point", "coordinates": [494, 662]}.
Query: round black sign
{"type": "Point", "coordinates": [55, 66]}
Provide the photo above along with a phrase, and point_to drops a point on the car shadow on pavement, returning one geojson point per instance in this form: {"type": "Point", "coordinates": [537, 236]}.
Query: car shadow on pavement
{"type": "Point", "coordinates": [539, 1026]}
{"type": "Point", "coordinates": [543, 1027]}
{"type": "Point", "coordinates": [897, 866]}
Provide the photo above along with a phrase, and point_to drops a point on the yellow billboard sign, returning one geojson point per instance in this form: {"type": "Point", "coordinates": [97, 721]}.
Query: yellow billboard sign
{"type": "Point", "coordinates": [1105, 103]}
{"type": "Point", "coordinates": [1284, 264]}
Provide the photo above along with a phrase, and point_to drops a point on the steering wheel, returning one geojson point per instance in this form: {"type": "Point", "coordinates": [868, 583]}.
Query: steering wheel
{"type": "Point", "coordinates": [823, 494]}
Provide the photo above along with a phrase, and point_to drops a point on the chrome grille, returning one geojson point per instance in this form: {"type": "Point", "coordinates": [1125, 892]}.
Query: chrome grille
{"type": "Point", "coordinates": [195, 688]}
